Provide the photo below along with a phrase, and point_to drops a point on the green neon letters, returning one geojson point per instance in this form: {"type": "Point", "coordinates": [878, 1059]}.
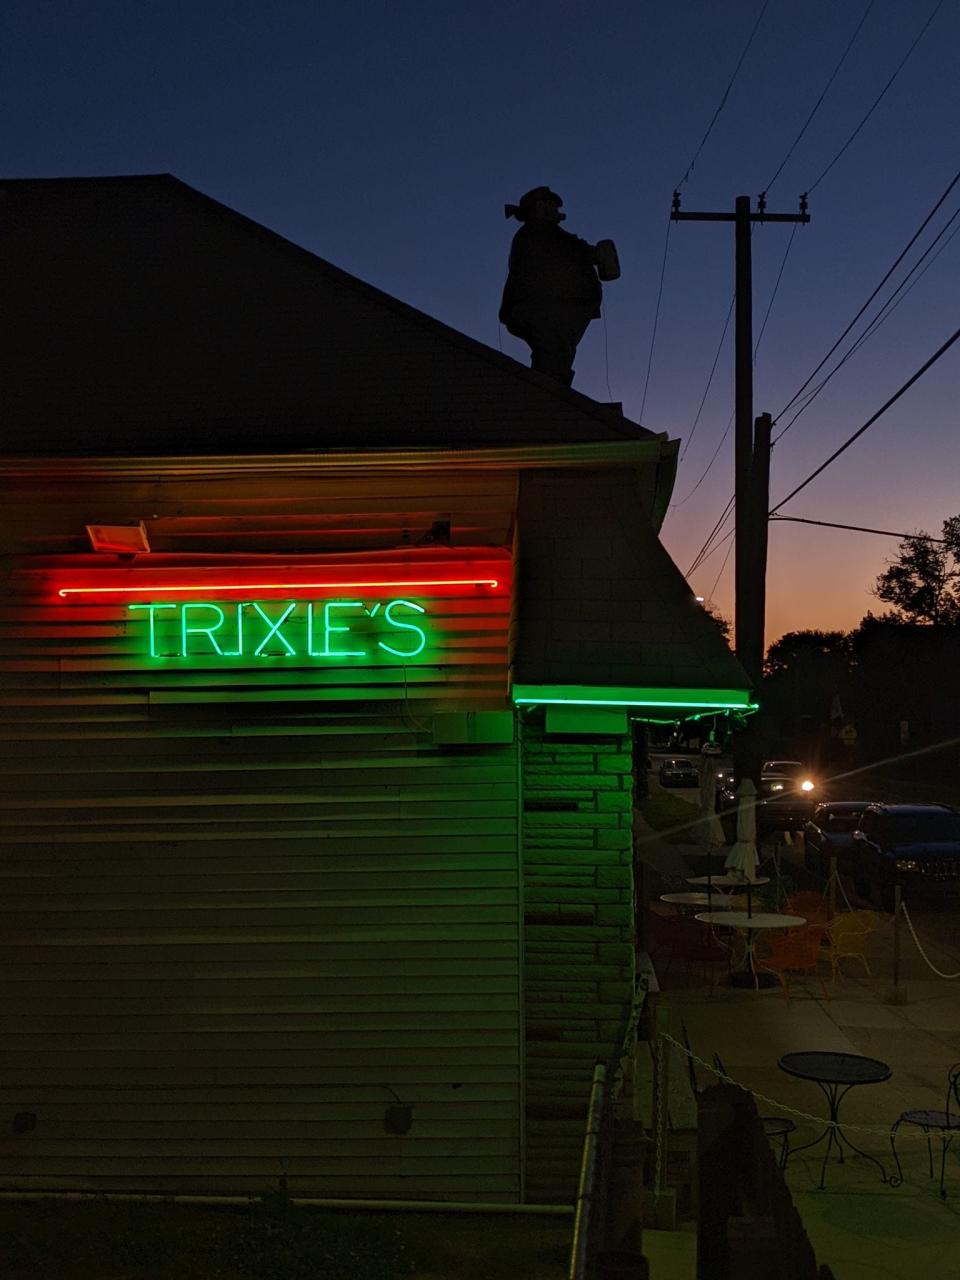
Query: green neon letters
{"type": "Point", "coordinates": [310, 630]}
{"type": "Point", "coordinates": [420, 645]}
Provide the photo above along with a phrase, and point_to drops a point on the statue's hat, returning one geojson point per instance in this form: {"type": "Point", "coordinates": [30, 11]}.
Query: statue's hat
{"type": "Point", "coordinates": [524, 210]}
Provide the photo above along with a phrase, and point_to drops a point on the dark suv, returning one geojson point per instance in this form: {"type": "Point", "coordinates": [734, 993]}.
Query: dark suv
{"type": "Point", "coordinates": [915, 844]}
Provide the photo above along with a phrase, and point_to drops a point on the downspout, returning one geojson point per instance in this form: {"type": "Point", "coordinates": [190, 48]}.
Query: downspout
{"type": "Point", "coordinates": [521, 965]}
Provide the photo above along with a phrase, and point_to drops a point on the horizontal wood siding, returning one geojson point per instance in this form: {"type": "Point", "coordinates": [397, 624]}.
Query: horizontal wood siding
{"type": "Point", "coordinates": [275, 513]}
{"type": "Point", "coordinates": [579, 957]}
{"type": "Point", "coordinates": [253, 923]}
{"type": "Point", "coordinates": [231, 973]}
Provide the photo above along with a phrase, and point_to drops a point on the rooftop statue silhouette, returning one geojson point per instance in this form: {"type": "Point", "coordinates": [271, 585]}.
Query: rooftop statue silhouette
{"type": "Point", "coordinates": [553, 286]}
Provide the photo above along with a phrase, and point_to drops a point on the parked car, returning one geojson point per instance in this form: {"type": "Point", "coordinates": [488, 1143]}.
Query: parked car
{"type": "Point", "coordinates": [829, 830]}
{"type": "Point", "coordinates": [679, 772]}
{"type": "Point", "coordinates": [787, 797]}
{"type": "Point", "coordinates": [915, 844]}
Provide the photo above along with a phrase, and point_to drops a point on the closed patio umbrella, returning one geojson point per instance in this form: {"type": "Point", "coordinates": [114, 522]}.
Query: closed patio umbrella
{"type": "Point", "coordinates": [711, 828]}
{"type": "Point", "coordinates": [742, 858]}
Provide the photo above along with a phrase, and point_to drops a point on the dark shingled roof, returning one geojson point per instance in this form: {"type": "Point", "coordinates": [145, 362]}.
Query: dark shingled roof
{"type": "Point", "coordinates": [598, 600]}
{"type": "Point", "coordinates": [142, 317]}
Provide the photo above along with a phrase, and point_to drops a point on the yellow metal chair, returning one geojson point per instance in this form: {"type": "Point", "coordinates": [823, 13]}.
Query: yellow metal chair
{"type": "Point", "coordinates": [847, 936]}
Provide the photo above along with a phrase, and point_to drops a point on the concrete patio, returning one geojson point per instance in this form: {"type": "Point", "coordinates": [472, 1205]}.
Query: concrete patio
{"type": "Point", "coordinates": [859, 1225]}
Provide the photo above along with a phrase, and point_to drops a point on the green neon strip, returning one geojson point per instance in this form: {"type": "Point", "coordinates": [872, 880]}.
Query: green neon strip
{"type": "Point", "coordinates": [608, 696]}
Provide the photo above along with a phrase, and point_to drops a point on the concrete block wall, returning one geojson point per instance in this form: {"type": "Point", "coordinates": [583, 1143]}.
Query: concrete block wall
{"type": "Point", "coordinates": [578, 939]}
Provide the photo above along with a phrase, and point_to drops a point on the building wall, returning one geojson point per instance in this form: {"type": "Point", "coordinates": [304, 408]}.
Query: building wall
{"type": "Point", "coordinates": [578, 937]}
{"type": "Point", "coordinates": [256, 923]}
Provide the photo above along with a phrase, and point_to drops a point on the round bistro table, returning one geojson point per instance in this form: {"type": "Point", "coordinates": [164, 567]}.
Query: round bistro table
{"type": "Point", "coordinates": [716, 900]}
{"type": "Point", "coordinates": [835, 1074]}
{"type": "Point", "coordinates": [728, 881]}
{"type": "Point", "coordinates": [750, 922]}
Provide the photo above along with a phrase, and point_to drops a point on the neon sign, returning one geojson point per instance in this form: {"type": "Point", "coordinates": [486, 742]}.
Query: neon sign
{"type": "Point", "coordinates": [332, 631]}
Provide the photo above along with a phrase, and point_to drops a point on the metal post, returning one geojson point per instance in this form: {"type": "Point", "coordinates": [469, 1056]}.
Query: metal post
{"type": "Point", "coordinates": [744, 556]}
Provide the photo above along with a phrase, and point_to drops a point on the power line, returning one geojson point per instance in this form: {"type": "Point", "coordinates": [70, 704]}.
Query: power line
{"type": "Point", "coordinates": [870, 421]}
{"type": "Point", "coordinates": [713, 370]}
{"type": "Point", "coordinates": [716, 452]}
{"type": "Point", "coordinates": [903, 289]}
{"type": "Point", "coordinates": [936, 9]}
{"type": "Point", "coordinates": [716, 581]}
{"type": "Point", "coordinates": [726, 94]}
{"type": "Point", "coordinates": [656, 317]}
{"type": "Point", "coordinates": [774, 294]}
{"type": "Point", "coordinates": [726, 430]}
{"type": "Point", "coordinates": [859, 528]}
{"type": "Point", "coordinates": [796, 396]}
{"type": "Point", "coordinates": [826, 87]}
{"type": "Point", "coordinates": [706, 549]}
{"type": "Point", "coordinates": [716, 547]}
{"type": "Point", "coordinates": [890, 306]}
{"type": "Point", "coordinates": [701, 554]}
{"type": "Point", "coordinates": [689, 170]}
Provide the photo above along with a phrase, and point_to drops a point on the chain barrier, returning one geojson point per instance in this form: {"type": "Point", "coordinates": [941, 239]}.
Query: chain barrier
{"type": "Point", "coordinates": [939, 972]}
{"type": "Point", "coordinates": [835, 875]}
{"type": "Point", "coordinates": [782, 1106]}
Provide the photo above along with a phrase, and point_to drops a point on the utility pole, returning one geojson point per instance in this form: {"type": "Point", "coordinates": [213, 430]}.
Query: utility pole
{"type": "Point", "coordinates": [752, 441]}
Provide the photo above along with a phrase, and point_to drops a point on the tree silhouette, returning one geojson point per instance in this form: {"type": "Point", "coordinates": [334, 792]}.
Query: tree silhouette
{"type": "Point", "coordinates": [923, 582]}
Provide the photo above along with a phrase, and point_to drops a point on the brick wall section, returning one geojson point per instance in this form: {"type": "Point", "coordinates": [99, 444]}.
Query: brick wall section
{"type": "Point", "coordinates": [579, 970]}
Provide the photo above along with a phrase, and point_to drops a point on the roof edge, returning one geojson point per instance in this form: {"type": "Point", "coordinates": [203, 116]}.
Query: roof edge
{"type": "Point", "coordinates": [593, 453]}
{"type": "Point", "coordinates": [613, 421]}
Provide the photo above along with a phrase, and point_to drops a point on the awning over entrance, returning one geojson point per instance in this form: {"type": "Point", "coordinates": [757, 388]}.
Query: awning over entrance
{"type": "Point", "coordinates": [647, 703]}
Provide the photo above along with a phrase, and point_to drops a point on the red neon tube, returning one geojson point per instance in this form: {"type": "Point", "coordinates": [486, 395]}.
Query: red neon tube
{"type": "Point", "coordinates": [210, 588]}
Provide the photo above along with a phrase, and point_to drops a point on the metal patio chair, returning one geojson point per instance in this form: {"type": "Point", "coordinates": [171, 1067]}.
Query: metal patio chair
{"type": "Point", "coordinates": [847, 936]}
{"type": "Point", "coordinates": [799, 951]}
{"type": "Point", "coordinates": [774, 1127]}
{"type": "Point", "coordinates": [813, 906]}
{"type": "Point", "coordinates": [946, 1121]}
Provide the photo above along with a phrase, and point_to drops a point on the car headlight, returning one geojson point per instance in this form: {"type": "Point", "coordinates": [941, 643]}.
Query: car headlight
{"type": "Point", "coordinates": [776, 786]}
{"type": "Point", "coordinates": [907, 864]}
{"type": "Point", "coordinates": [806, 785]}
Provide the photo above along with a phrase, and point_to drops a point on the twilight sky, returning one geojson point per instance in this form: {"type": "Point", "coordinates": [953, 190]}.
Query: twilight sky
{"type": "Point", "coordinates": [387, 136]}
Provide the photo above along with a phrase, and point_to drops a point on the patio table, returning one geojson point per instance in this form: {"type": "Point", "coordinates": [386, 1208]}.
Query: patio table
{"type": "Point", "coordinates": [719, 901]}
{"type": "Point", "coordinates": [835, 1074]}
{"type": "Point", "coordinates": [728, 881]}
{"type": "Point", "coordinates": [750, 922]}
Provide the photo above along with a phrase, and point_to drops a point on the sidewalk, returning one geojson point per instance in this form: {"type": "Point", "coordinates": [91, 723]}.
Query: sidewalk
{"type": "Point", "coordinates": [859, 1225]}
